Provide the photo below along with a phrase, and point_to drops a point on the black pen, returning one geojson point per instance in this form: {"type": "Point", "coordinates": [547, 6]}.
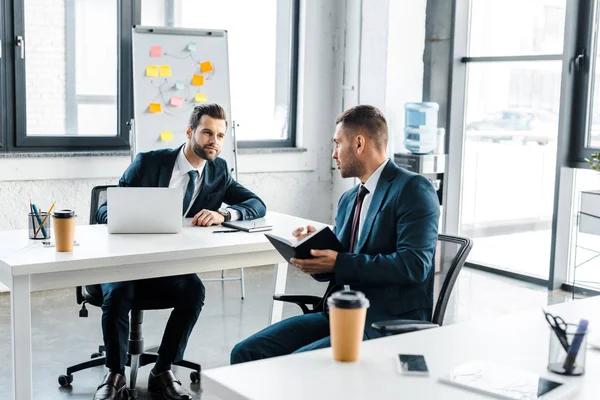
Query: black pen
{"type": "Point", "coordinates": [227, 231]}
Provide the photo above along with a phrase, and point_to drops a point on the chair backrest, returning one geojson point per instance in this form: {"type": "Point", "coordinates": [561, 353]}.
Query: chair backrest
{"type": "Point", "coordinates": [450, 257]}
{"type": "Point", "coordinates": [98, 198]}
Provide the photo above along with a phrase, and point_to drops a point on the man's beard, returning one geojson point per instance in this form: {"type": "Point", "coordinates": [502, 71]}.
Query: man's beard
{"type": "Point", "coordinates": [352, 169]}
{"type": "Point", "coordinates": [200, 152]}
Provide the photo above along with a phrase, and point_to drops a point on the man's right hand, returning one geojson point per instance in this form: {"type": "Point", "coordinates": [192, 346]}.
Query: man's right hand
{"type": "Point", "coordinates": [301, 233]}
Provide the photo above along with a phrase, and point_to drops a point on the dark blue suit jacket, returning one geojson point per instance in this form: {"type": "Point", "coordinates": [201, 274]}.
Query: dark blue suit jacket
{"type": "Point", "coordinates": [393, 263]}
{"type": "Point", "coordinates": [154, 169]}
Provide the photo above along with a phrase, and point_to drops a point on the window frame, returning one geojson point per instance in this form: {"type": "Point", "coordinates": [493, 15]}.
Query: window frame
{"type": "Point", "coordinates": [15, 137]}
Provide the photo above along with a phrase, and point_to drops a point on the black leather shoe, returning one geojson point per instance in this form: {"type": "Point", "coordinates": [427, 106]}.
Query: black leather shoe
{"type": "Point", "coordinates": [168, 386]}
{"type": "Point", "coordinates": [111, 387]}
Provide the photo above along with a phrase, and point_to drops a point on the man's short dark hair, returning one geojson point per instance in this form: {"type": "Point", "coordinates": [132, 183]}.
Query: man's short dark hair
{"type": "Point", "coordinates": [367, 120]}
{"type": "Point", "coordinates": [212, 110]}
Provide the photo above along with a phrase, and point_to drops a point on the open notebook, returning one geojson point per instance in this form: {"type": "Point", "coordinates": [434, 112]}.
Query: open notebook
{"type": "Point", "coordinates": [322, 239]}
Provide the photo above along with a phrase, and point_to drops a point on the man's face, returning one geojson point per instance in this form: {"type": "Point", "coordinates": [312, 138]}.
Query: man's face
{"type": "Point", "coordinates": [207, 140]}
{"type": "Point", "coordinates": [345, 153]}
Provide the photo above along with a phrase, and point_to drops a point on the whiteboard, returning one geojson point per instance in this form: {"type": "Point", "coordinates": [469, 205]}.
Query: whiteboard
{"type": "Point", "coordinates": [174, 70]}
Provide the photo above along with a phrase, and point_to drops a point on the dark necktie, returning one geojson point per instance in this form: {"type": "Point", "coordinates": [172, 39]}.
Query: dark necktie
{"type": "Point", "coordinates": [362, 192]}
{"type": "Point", "coordinates": [189, 191]}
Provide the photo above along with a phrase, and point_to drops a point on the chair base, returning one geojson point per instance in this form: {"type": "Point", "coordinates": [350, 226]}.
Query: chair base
{"type": "Point", "coordinates": [134, 361]}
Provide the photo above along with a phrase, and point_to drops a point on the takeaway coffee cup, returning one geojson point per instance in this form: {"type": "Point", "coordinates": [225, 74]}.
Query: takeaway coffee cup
{"type": "Point", "coordinates": [64, 229]}
{"type": "Point", "coordinates": [347, 314]}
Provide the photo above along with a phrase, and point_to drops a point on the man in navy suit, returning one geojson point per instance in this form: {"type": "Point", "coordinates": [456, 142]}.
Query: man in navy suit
{"type": "Point", "coordinates": [195, 168]}
{"type": "Point", "coordinates": [388, 223]}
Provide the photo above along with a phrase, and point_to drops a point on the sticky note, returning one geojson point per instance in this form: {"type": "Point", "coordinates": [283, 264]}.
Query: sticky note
{"type": "Point", "coordinates": [164, 70]}
{"type": "Point", "coordinates": [155, 51]}
{"type": "Point", "coordinates": [206, 66]}
{"type": "Point", "coordinates": [176, 101]}
{"type": "Point", "coordinates": [155, 107]}
{"type": "Point", "coordinates": [151, 70]}
{"type": "Point", "coordinates": [166, 136]}
{"type": "Point", "coordinates": [179, 85]}
{"type": "Point", "coordinates": [197, 80]}
{"type": "Point", "coordinates": [191, 46]}
{"type": "Point", "coordinates": [200, 97]}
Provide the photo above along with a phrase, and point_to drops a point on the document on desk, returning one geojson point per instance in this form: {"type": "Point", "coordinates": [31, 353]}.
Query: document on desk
{"type": "Point", "coordinates": [503, 382]}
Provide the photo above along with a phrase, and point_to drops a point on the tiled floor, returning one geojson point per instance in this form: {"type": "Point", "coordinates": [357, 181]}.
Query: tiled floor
{"type": "Point", "coordinates": [61, 338]}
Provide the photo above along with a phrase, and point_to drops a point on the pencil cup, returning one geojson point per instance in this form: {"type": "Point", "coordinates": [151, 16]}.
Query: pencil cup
{"type": "Point", "coordinates": [64, 229]}
{"type": "Point", "coordinates": [39, 226]}
{"type": "Point", "coordinates": [570, 360]}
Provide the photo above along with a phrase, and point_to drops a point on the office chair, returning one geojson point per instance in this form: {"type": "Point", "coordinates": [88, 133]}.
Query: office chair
{"type": "Point", "coordinates": [138, 357]}
{"type": "Point", "coordinates": [450, 257]}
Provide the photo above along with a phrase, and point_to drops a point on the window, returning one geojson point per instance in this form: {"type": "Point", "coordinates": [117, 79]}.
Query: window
{"type": "Point", "coordinates": [262, 60]}
{"type": "Point", "coordinates": [67, 73]}
{"type": "Point", "coordinates": [511, 120]}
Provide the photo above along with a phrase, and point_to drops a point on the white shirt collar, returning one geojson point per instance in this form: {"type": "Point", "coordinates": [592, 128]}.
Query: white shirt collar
{"type": "Point", "coordinates": [184, 165]}
{"type": "Point", "coordinates": [371, 183]}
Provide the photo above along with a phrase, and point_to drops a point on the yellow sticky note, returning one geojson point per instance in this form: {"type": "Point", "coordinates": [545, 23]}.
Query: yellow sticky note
{"type": "Point", "coordinates": [152, 70]}
{"type": "Point", "coordinates": [155, 107]}
{"type": "Point", "coordinates": [200, 97]}
{"type": "Point", "coordinates": [197, 80]}
{"type": "Point", "coordinates": [206, 66]}
{"type": "Point", "coordinates": [164, 70]}
{"type": "Point", "coordinates": [166, 136]}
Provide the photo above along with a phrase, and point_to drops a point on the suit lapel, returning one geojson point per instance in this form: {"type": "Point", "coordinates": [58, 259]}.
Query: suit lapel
{"type": "Point", "coordinates": [166, 167]}
{"type": "Point", "coordinates": [345, 230]}
{"type": "Point", "coordinates": [385, 181]}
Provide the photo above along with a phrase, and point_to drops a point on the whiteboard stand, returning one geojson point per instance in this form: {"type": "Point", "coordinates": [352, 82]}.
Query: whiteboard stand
{"type": "Point", "coordinates": [235, 173]}
{"type": "Point", "coordinates": [132, 138]}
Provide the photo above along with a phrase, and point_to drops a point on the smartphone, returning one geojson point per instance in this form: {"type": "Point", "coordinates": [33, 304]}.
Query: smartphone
{"type": "Point", "coordinates": [412, 364]}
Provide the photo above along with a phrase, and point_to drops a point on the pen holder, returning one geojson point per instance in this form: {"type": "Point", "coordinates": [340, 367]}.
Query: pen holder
{"type": "Point", "coordinates": [569, 361]}
{"type": "Point", "coordinates": [35, 221]}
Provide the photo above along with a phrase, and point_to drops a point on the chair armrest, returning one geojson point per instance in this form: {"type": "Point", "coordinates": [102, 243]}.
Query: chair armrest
{"type": "Point", "coordinates": [398, 326]}
{"type": "Point", "coordinates": [300, 300]}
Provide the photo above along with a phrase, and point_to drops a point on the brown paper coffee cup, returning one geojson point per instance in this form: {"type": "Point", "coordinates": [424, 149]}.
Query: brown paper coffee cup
{"type": "Point", "coordinates": [64, 229]}
{"type": "Point", "coordinates": [347, 315]}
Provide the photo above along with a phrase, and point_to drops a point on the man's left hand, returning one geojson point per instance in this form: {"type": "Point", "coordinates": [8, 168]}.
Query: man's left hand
{"type": "Point", "coordinates": [323, 262]}
{"type": "Point", "coordinates": [208, 218]}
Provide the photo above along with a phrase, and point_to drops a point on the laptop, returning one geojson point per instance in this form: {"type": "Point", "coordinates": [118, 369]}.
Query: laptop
{"type": "Point", "coordinates": [144, 210]}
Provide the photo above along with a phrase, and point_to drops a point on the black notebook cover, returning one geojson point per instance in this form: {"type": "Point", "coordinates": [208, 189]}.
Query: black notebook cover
{"type": "Point", "coordinates": [321, 240]}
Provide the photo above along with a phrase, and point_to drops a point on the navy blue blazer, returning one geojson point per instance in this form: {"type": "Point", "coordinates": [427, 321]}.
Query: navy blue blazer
{"type": "Point", "coordinates": [393, 263]}
{"type": "Point", "coordinates": [154, 169]}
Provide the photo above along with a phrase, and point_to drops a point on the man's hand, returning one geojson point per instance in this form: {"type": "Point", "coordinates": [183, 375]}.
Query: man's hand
{"type": "Point", "coordinates": [208, 218]}
{"type": "Point", "coordinates": [300, 234]}
{"type": "Point", "coordinates": [323, 262]}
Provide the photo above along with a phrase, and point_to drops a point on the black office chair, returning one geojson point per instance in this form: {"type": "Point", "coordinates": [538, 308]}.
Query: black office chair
{"type": "Point", "coordinates": [450, 257]}
{"type": "Point", "coordinates": [138, 357]}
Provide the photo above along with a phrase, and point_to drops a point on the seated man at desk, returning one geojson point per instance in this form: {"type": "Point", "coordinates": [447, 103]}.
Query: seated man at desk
{"type": "Point", "coordinates": [207, 184]}
{"type": "Point", "coordinates": [388, 223]}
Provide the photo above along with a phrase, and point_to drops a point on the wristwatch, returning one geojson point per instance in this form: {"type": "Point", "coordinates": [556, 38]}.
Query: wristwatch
{"type": "Point", "coordinates": [225, 213]}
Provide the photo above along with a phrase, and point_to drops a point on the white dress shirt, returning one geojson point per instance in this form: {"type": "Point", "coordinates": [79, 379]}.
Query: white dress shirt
{"type": "Point", "coordinates": [371, 185]}
{"type": "Point", "coordinates": [180, 179]}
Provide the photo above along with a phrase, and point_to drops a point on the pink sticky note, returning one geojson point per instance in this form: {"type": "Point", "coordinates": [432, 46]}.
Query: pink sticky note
{"type": "Point", "coordinates": [155, 51]}
{"type": "Point", "coordinates": [176, 101]}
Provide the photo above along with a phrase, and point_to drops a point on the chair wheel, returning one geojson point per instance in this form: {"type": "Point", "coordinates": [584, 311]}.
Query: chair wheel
{"type": "Point", "coordinates": [195, 376]}
{"type": "Point", "coordinates": [96, 355]}
{"type": "Point", "coordinates": [128, 394]}
{"type": "Point", "coordinates": [65, 380]}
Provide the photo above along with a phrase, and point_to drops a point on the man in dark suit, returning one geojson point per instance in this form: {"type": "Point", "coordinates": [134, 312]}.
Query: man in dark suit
{"type": "Point", "coordinates": [388, 223]}
{"type": "Point", "coordinates": [206, 182]}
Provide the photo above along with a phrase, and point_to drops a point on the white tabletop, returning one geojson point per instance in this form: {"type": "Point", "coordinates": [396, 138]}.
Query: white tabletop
{"type": "Point", "coordinates": [518, 340]}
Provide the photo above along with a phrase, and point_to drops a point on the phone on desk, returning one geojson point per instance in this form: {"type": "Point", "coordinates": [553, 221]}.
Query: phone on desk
{"type": "Point", "coordinates": [412, 364]}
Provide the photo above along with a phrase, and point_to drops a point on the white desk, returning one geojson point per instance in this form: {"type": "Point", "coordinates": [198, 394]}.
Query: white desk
{"type": "Point", "coordinates": [27, 266]}
{"type": "Point", "coordinates": [519, 340]}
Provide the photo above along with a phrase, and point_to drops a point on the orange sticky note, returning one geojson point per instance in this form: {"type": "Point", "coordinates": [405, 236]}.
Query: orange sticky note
{"type": "Point", "coordinates": [176, 101]}
{"type": "Point", "coordinates": [164, 70]}
{"type": "Point", "coordinates": [155, 107]}
{"type": "Point", "coordinates": [152, 70]}
{"type": "Point", "coordinates": [166, 136]}
{"type": "Point", "coordinates": [197, 80]}
{"type": "Point", "coordinates": [206, 66]}
{"type": "Point", "coordinates": [200, 98]}
{"type": "Point", "coordinates": [155, 51]}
